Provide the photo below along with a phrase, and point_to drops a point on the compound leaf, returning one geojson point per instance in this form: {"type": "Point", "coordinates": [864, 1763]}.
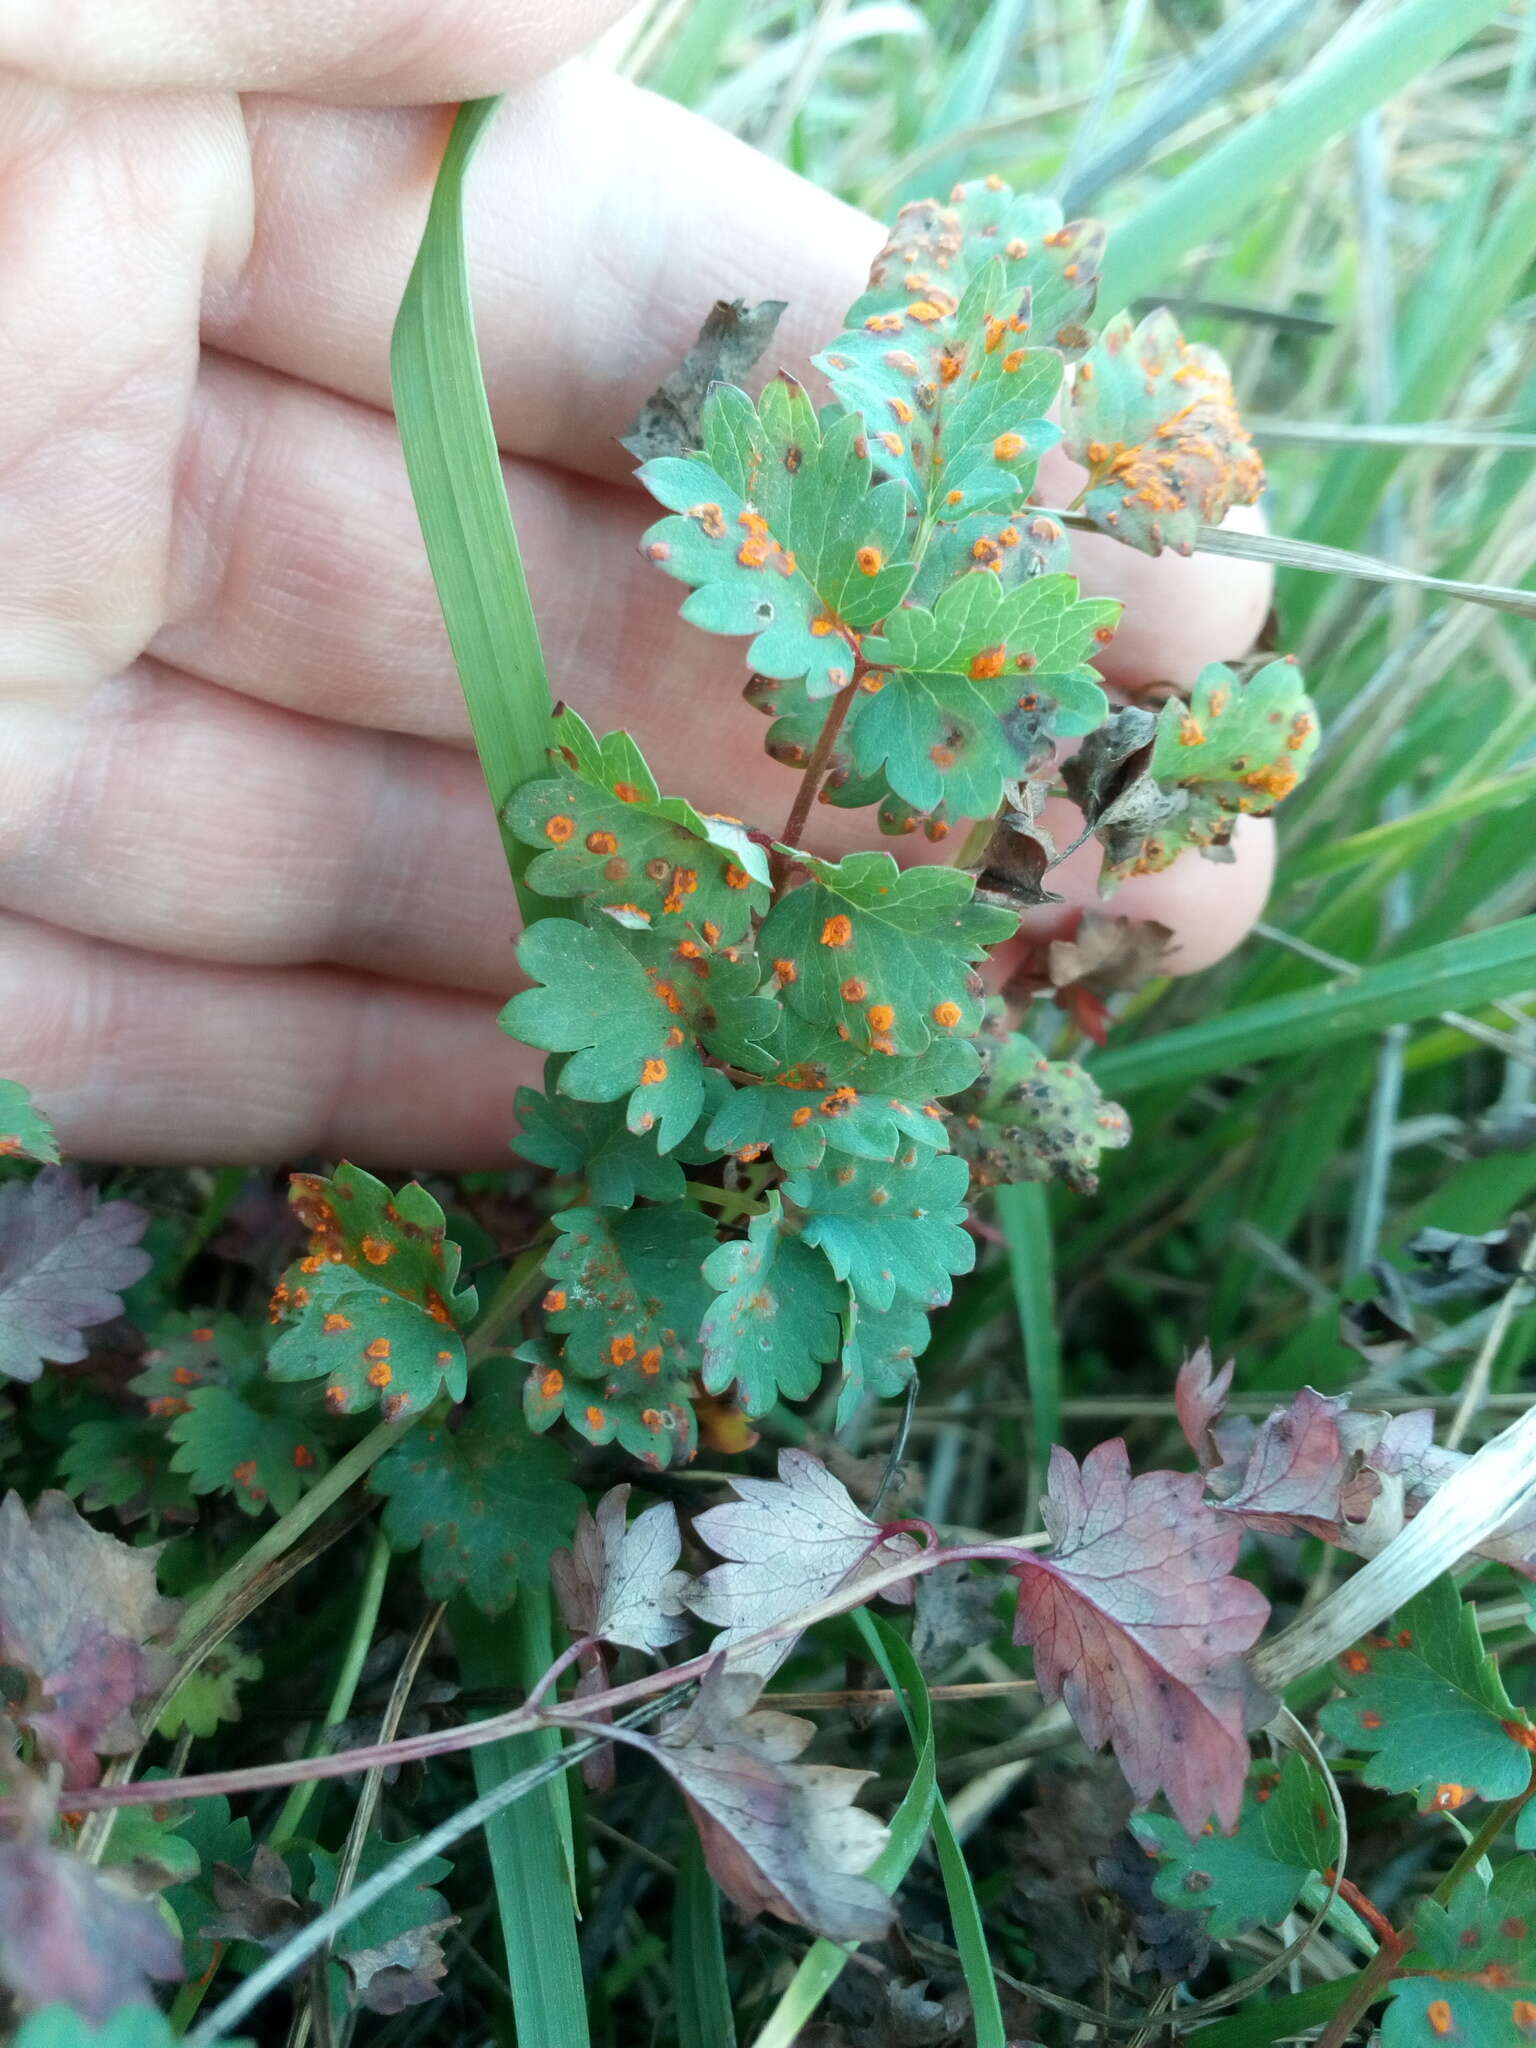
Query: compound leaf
{"type": "Point", "coordinates": [1033, 1118]}
{"type": "Point", "coordinates": [64, 1257]}
{"type": "Point", "coordinates": [375, 1306]}
{"type": "Point", "coordinates": [1153, 420]}
{"type": "Point", "coordinates": [628, 1294]}
{"type": "Point", "coordinates": [882, 950]}
{"type": "Point", "coordinates": [25, 1133]}
{"type": "Point", "coordinates": [82, 1620]}
{"type": "Point", "coordinates": [1427, 1707]}
{"type": "Point", "coordinates": [780, 533]}
{"type": "Point", "coordinates": [638, 1011]}
{"type": "Point", "coordinates": [1138, 1625]}
{"type": "Point", "coordinates": [609, 837]}
{"type": "Point", "coordinates": [1254, 1877]}
{"type": "Point", "coordinates": [484, 1499]}
{"type": "Point", "coordinates": [775, 1320]}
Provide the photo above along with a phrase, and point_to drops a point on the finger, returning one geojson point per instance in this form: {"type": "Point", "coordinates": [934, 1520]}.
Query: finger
{"type": "Point", "coordinates": [391, 51]}
{"type": "Point", "coordinates": [137, 1057]}
{"type": "Point", "coordinates": [297, 573]}
{"type": "Point", "coordinates": [177, 818]}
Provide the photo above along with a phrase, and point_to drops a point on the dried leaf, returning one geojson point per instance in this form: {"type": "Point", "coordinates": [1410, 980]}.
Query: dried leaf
{"type": "Point", "coordinates": [790, 1542]}
{"type": "Point", "coordinates": [1457, 1267]}
{"type": "Point", "coordinates": [1153, 419]}
{"type": "Point", "coordinates": [401, 1972]}
{"type": "Point", "coordinates": [779, 1836]}
{"type": "Point", "coordinates": [618, 1580]}
{"type": "Point", "coordinates": [74, 1935]}
{"type": "Point", "coordinates": [1108, 955]}
{"type": "Point", "coordinates": [733, 338]}
{"type": "Point", "coordinates": [1109, 779]}
{"type": "Point", "coordinates": [259, 1906]}
{"type": "Point", "coordinates": [1138, 1625]}
{"type": "Point", "coordinates": [64, 1257]}
{"type": "Point", "coordinates": [81, 1616]}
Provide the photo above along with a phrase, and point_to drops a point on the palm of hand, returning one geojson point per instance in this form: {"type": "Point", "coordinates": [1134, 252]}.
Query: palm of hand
{"type": "Point", "coordinates": [251, 897]}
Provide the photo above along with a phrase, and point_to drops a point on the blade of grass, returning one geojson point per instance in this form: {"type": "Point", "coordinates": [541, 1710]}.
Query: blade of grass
{"type": "Point", "coordinates": [823, 1963]}
{"type": "Point", "coordinates": [704, 2018]}
{"type": "Point", "coordinates": [692, 57]}
{"type": "Point", "coordinates": [1401, 838]}
{"type": "Point", "coordinates": [1023, 1212]}
{"type": "Point", "coordinates": [529, 1842]}
{"type": "Point", "coordinates": [1278, 2019]}
{"type": "Point", "coordinates": [1351, 76]}
{"type": "Point", "coordinates": [905, 1677]}
{"type": "Point", "coordinates": [455, 472]}
{"type": "Point", "coordinates": [972, 89]}
{"type": "Point", "coordinates": [1458, 974]}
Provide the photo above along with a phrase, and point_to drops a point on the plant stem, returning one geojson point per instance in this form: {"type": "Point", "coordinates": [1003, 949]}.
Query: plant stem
{"type": "Point", "coordinates": [344, 1691]}
{"type": "Point", "coordinates": [821, 753]}
{"type": "Point", "coordinates": [1372, 1981]}
{"type": "Point", "coordinates": [1475, 1850]}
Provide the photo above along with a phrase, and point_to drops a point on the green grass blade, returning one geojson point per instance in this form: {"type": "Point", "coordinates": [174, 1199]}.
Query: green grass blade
{"type": "Point", "coordinates": [972, 90]}
{"type": "Point", "coordinates": [1024, 1213]}
{"type": "Point", "coordinates": [461, 501]}
{"type": "Point", "coordinates": [529, 1843]}
{"type": "Point", "coordinates": [1456, 975]}
{"type": "Point", "coordinates": [824, 1962]}
{"type": "Point", "coordinates": [1277, 2019]}
{"type": "Point", "coordinates": [1401, 838]}
{"type": "Point", "coordinates": [704, 2017]}
{"type": "Point", "coordinates": [905, 1678]}
{"type": "Point", "coordinates": [1328, 98]}
{"type": "Point", "coordinates": [692, 58]}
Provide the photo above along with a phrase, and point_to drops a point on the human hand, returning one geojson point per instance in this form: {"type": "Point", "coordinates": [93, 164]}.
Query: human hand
{"type": "Point", "coordinates": [252, 900]}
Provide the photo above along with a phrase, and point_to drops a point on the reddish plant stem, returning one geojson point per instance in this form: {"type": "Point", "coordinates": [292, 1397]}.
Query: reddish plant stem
{"type": "Point", "coordinates": [821, 754]}
{"type": "Point", "coordinates": [520, 1720]}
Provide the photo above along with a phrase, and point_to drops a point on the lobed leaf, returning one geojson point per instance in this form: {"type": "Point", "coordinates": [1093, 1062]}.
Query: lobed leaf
{"type": "Point", "coordinates": [1426, 1706]}
{"type": "Point", "coordinates": [1253, 1877]}
{"type": "Point", "coordinates": [1137, 1624]}
{"type": "Point", "coordinates": [788, 1542]}
{"type": "Point", "coordinates": [1153, 419]}
{"type": "Point", "coordinates": [618, 1580]}
{"type": "Point", "coordinates": [618, 1166]}
{"type": "Point", "coordinates": [1030, 1118]}
{"type": "Point", "coordinates": [608, 837]}
{"type": "Point", "coordinates": [638, 1012]}
{"type": "Point", "coordinates": [775, 1320]}
{"type": "Point", "coordinates": [484, 1500]}
{"type": "Point", "coordinates": [879, 1355]}
{"type": "Point", "coordinates": [883, 951]}
{"type": "Point", "coordinates": [25, 1133]}
{"type": "Point", "coordinates": [75, 1936]}
{"type": "Point", "coordinates": [628, 1295]}
{"type": "Point", "coordinates": [1470, 1976]}
{"type": "Point", "coordinates": [375, 1306]}
{"type": "Point", "coordinates": [64, 1257]}
{"type": "Point", "coordinates": [84, 1625]}
{"type": "Point", "coordinates": [780, 534]}
{"type": "Point", "coordinates": [893, 1229]}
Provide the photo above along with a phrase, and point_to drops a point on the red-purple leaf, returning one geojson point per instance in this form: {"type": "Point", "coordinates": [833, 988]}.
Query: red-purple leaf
{"type": "Point", "coordinates": [73, 1935]}
{"type": "Point", "coordinates": [80, 1614]}
{"type": "Point", "coordinates": [617, 1580]}
{"type": "Point", "coordinates": [1200, 1394]}
{"type": "Point", "coordinates": [779, 1836]}
{"type": "Point", "coordinates": [1138, 1625]}
{"type": "Point", "coordinates": [64, 1254]}
{"type": "Point", "coordinates": [790, 1542]}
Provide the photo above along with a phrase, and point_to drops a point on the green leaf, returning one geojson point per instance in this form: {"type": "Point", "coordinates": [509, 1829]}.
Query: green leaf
{"type": "Point", "coordinates": [486, 1501]}
{"type": "Point", "coordinates": [1033, 1118]}
{"type": "Point", "coordinates": [217, 1839]}
{"type": "Point", "coordinates": [124, 1463]}
{"type": "Point", "coordinates": [461, 497]}
{"type": "Point", "coordinates": [609, 837]}
{"type": "Point", "coordinates": [25, 1133]}
{"type": "Point", "coordinates": [592, 1139]}
{"type": "Point", "coordinates": [879, 1351]}
{"type": "Point", "coordinates": [885, 952]}
{"type": "Point", "coordinates": [377, 1300]}
{"type": "Point", "coordinates": [411, 1904]}
{"type": "Point", "coordinates": [1480, 1963]}
{"type": "Point", "coordinates": [780, 533]}
{"type": "Point", "coordinates": [261, 1457]}
{"type": "Point", "coordinates": [131, 2026]}
{"type": "Point", "coordinates": [638, 1012]}
{"type": "Point", "coordinates": [1015, 549]}
{"type": "Point", "coordinates": [1253, 1877]}
{"type": "Point", "coordinates": [628, 1294]}
{"type": "Point", "coordinates": [1239, 748]}
{"type": "Point", "coordinates": [775, 1320]}
{"type": "Point", "coordinates": [1428, 1709]}
{"type": "Point", "coordinates": [969, 696]}
{"type": "Point", "coordinates": [152, 1836]}
{"type": "Point", "coordinates": [210, 1695]}
{"type": "Point", "coordinates": [1152, 419]}
{"type": "Point", "coordinates": [1059, 263]}
{"type": "Point", "coordinates": [892, 1229]}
